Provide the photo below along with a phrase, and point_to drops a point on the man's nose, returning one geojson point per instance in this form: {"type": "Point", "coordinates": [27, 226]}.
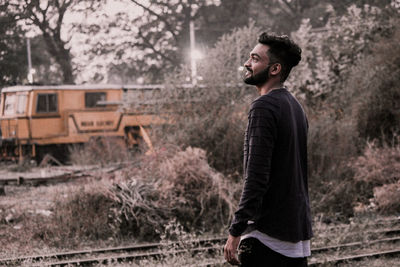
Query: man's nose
{"type": "Point", "coordinates": [247, 63]}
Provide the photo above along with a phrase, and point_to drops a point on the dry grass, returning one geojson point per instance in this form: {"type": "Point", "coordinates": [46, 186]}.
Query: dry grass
{"type": "Point", "coordinates": [379, 167]}
{"type": "Point", "coordinates": [82, 213]}
{"type": "Point", "coordinates": [30, 220]}
{"type": "Point", "coordinates": [173, 183]}
{"type": "Point", "coordinates": [387, 197]}
{"type": "Point", "coordinates": [101, 150]}
{"type": "Point", "coordinates": [195, 189]}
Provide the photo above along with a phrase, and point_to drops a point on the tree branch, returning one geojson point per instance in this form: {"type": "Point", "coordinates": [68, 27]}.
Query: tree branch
{"type": "Point", "coordinates": [167, 24]}
{"type": "Point", "coordinates": [151, 46]}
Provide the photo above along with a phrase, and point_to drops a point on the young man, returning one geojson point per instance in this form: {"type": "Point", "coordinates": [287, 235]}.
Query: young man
{"type": "Point", "coordinates": [273, 221]}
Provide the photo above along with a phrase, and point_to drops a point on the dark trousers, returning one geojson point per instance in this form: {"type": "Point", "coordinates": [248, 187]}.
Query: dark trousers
{"type": "Point", "coordinates": [253, 253]}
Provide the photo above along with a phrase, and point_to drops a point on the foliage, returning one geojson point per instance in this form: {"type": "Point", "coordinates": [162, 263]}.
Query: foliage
{"type": "Point", "coordinates": [104, 44]}
{"type": "Point", "coordinates": [142, 42]}
{"type": "Point", "coordinates": [330, 52]}
{"type": "Point", "coordinates": [195, 190]}
{"type": "Point", "coordinates": [48, 19]}
{"type": "Point", "coordinates": [387, 197]}
{"type": "Point", "coordinates": [283, 16]}
{"type": "Point", "coordinates": [213, 21]}
{"type": "Point", "coordinates": [69, 227]}
{"type": "Point", "coordinates": [172, 183]}
{"type": "Point", "coordinates": [378, 111]}
{"type": "Point", "coordinates": [377, 165]}
{"type": "Point", "coordinates": [47, 71]}
{"type": "Point", "coordinates": [12, 47]}
{"type": "Point", "coordinates": [331, 142]}
{"type": "Point", "coordinates": [139, 212]}
{"type": "Point", "coordinates": [380, 168]}
{"type": "Point", "coordinates": [101, 150]}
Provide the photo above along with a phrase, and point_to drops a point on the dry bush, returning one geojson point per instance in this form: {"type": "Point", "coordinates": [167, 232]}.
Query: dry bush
{"type": "Point", "coordinates": [379, 168]}
{"type": "Point", "coordinates": [100, 150]}
{"type": "Point", "coordinates": [379, 116]}
{"type": "Point", "coordinates": [172, 183]}
{"type": "Point", "coordinates": [378, 165]}
{"type": "Point", "coordinates": [198, 196]}
{"type": "Point", "coordinates": [387, 197]}
{"type": "Point", "coordinates": [331, 142]}
{"type": "Point", "coordinates": [375, 92]}
{"type": "Point", "coordinates": [138, 211]}
{"type": "Point", "coordinates": [81, 213]}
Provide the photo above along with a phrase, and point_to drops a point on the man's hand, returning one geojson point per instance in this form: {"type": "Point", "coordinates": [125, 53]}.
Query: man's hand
{"type": "Point", "coordinates": [230, 250]}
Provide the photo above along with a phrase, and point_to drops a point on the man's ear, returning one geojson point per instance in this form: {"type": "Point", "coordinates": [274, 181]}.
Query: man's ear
{"type": "Point", "coordinates": [275, 69]}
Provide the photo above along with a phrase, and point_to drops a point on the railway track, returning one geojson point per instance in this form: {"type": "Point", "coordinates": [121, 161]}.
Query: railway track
{"type": "Point", "coordinates": [211, 245]}
{"type": "Point", "coordinates": [123, 253]}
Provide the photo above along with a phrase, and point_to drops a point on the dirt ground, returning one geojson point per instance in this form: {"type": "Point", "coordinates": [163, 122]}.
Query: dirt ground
{"type": "Point", "coordinates": [22, 209]}
{"type": "Point", "coordinates": [25, 208]}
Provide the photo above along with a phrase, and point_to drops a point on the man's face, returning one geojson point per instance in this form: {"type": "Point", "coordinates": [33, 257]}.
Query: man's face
{"type": "Point", "coordinates": [257, 66]}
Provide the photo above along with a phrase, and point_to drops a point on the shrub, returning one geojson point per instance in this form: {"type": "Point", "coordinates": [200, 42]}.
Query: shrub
{"type": "Point", "coordinates": [331, 142]}
{"type": "Point", "coordinates": [379, 167]}
{"type": "Point", "coordinates": [387, 197]}
{"type": "Point", "coordinates": [138, 210]}
{"type": "Point", "coordinates": [377, 92]}
{"type": "Point", "coordinates": [100, 150]}
{"type": "Point", "coordinates": [172, 183]}
{"type": "Point", "coordinates": [81, 213]}
{"type": "Point", "coordinates": [198, 196]}
{"type": "Point", "coordinates": [378, 116]}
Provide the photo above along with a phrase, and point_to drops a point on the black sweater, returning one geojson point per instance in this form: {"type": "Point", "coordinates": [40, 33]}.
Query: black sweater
{"type": "Point", "coordinates": [275, 191]}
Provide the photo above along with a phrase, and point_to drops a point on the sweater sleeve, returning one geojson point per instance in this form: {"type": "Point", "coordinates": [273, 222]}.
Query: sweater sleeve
{"type": "Point", "coordinates": [259, 144]}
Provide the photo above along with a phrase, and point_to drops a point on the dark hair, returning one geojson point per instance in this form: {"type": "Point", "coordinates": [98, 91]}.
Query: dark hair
{"type": "Point", "coordinates": [281, 50]}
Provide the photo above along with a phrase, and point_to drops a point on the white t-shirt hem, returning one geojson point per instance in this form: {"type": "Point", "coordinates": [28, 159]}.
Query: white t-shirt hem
{"type": "Point", "coordinates": [299, 249]}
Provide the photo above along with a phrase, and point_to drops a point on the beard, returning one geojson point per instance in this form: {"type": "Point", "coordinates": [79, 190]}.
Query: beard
{"type": "Point", "coordinates": [259, 78]}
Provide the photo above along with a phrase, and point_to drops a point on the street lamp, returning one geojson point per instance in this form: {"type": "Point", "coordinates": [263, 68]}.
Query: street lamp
{"type": "Point", "coordinates": [195, 54]}
{"type": "Point", "coordinates": [30, 70]}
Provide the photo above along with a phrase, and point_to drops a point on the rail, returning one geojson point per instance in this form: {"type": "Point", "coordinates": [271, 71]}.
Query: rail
{"type": "Point", "coordinates": [159, 250]}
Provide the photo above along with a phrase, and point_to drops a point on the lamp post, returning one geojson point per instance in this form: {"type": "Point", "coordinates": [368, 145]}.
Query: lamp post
{"type": "Point", "coordinates": [30, 72]}
{"type": "Point", "coordinates": [195, 55]}
{"type": "Point", "coordinates": [193, 66]}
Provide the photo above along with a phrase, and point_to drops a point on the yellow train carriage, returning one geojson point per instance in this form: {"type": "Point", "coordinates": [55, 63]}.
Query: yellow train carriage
{"type": "Point", "coordinates": [38, 119]}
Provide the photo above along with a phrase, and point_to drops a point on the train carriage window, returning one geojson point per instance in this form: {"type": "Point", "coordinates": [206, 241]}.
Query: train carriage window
{"type": "Point", "coordinates": [92, 99]}
{"type": "Point", "coordinates": [9, 105]}
{"type": "Point", "coordinates": [46, 103]}
{"type": "Point", "coordinates": [21, 104]}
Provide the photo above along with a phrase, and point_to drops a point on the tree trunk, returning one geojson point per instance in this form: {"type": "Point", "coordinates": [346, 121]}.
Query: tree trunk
{"type": "Point", "coordinates": [62, 56]}
{"type": "Point", "coordinates": [64, 60]}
